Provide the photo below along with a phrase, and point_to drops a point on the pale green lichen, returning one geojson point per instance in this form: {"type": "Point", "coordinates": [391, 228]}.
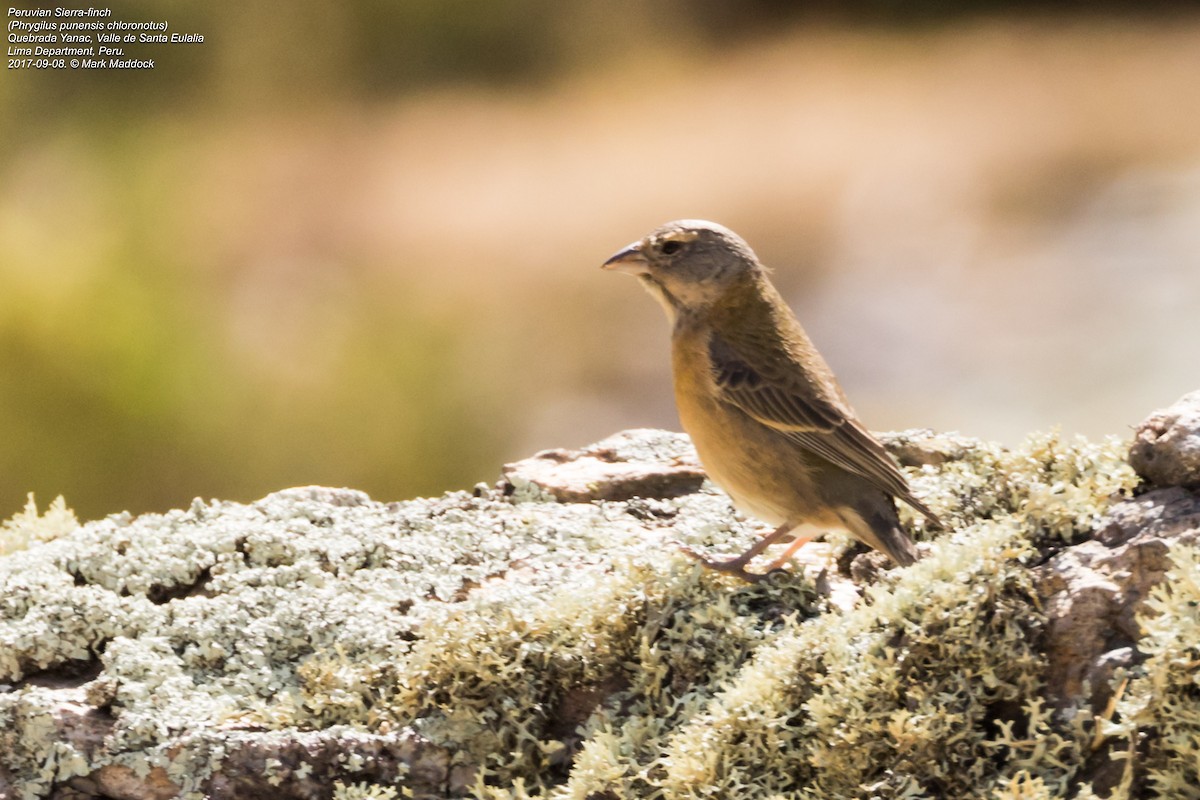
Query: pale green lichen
{"type": "Point", "coordinates": [564, 650]}
{"type": "Point", "coordinates": [1158, 714]}
{"type": "Point", "coordinates": [364, 791]}
{"type": "Point", "coordinates": [30, 737]}
{"type": "Point", "coordinates": [28, 527]}
{"type": "Point", "coordinates": [883, 701]}
{"type": "Point", "coordinates": [1024, 786]}
{"type": "Point", "coordinates": [1056, 489]}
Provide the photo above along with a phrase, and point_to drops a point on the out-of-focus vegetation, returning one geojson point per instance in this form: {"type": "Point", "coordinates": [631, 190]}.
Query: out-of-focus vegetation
{"type": "Point", "coordinates": [355, 243]}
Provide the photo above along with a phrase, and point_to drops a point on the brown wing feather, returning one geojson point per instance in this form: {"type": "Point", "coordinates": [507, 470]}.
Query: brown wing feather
{"type": "Point", "coordinates": [814, 421]}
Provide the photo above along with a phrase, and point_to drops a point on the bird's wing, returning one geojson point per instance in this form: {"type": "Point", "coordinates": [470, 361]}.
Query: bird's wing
{"type": "Point", "coordinates": [780, 399]}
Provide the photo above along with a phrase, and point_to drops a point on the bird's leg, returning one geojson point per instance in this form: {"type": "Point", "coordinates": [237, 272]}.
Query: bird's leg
{"type": "Point", "coordinates": [783, 559]}
{"type": "Point", "coordinates": [737, 566]}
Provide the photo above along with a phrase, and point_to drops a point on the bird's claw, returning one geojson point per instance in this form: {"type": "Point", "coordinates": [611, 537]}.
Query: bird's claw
{"type": "Point", "coordinates": [730, 566]}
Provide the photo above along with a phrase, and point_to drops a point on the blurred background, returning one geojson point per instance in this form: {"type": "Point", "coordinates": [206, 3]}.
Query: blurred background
{"type": "Point", "coordinates": [357, 243]}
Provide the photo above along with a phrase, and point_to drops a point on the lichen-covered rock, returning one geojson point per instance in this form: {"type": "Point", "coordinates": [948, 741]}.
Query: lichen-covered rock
{"type": "Point", "coordinates": [1166, 446]}
{"type": "Point", "coordinates": [548, 639]}
{"type": "Point", "coordinates": [635, 463]}
{"type": "Point", "coordinates": [316, 611]}
{"type": "Point", "coordinates": [1155, 726]}
{"type": "Point", "coordinates": [922, 448]}
{"type": "Point", "coordinates": [1095, 592]}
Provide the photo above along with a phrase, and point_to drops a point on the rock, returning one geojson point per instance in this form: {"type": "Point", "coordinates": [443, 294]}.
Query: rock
{"type": "Point", "coordinates": [634, 463]}
{"type": "Point", "coordinates": [919, 448]}
{"type": "Point", "coordinates": [1166, 446]}
{"type": "Point", "coordinates": [1094, 591]}
{"type": "Point", "coordinates": [1094, 594]}
{"type": "Point", "coordinates": [226, 649]}
{"type": "Point", "coordinates": [547, 637]}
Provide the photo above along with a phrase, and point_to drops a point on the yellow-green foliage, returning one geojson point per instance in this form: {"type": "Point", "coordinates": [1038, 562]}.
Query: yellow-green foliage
{"type": "Point", "coordinates": [1024, 786]}
{"type": "Point", "coordinates": [1061, 488]}
{"type": "Point", "coordinates": [28, 527]}
{"type": "Point", "coordinates": [364, 791]}
{"type": "Point", "coordinates": [567, 651]}
{"type": "Point", "coordinates": [931, 688]}
{"type": "Point", "coordinates": [500, 676]}
{"type": "Point", "coordinates": [1057, 488]}
{"type": "Point", "coordinates": [1160, 710]}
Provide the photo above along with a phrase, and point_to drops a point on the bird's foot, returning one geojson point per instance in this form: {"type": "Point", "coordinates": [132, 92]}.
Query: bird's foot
{"type": "Point", "coordinates": [731, 566]}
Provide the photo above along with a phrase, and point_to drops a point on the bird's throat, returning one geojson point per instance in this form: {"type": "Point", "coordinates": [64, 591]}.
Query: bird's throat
{"type": "Point", "coordinates": [659, 292]}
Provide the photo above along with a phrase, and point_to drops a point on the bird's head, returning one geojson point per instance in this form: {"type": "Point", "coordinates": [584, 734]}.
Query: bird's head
{"type": "Point", "coordinates": [689, 265]}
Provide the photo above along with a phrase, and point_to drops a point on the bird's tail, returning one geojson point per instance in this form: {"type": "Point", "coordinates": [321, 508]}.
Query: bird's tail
{"type": "Point", "coordinates": [924, 509]}
{"type": "Point", "coordinates": [899, 546]}
{"type": "Point", "coordinates": [883, 532]}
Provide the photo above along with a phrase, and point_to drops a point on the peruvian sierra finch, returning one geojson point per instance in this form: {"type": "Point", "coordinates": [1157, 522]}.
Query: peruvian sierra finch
{"type": "Point", "coordinates": [769, 421]}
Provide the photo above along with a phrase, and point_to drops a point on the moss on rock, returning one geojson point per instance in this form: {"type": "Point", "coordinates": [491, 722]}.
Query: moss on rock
{"type": "Point", "coordinates": [504, 645]}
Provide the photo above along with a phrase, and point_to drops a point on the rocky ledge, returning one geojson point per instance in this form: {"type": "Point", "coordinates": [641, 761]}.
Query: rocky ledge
{"type": "Point", "coordinates": [545, 637]}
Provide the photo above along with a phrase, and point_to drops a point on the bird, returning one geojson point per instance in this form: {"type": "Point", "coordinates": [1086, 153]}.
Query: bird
{"type": "Point", "coordinates": [770, 423]}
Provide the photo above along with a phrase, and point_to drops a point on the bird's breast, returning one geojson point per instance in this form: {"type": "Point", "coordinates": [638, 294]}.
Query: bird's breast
{"type": "Point", "coordinates": [766, 475]}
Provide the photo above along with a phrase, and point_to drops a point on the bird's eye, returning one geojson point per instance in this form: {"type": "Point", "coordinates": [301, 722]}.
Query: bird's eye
{"type": "Point", "coordinates": [671, 247]}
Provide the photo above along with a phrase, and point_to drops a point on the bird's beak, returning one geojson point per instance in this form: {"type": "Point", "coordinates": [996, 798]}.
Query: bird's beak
{"type": "Point", "coordinates": [628, 260]}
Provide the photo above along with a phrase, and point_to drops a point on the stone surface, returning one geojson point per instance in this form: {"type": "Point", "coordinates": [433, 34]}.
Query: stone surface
{"type": "Point", "coordinates": [920, 448]}
{"type": "Point", "coordinates": [547, 638]}
{"type": "Point", "coordinates": [1166, 446]}
{"type": "Point", "coordinates": [634, 463]}
{"type": "Point", "coordinates": [1095, 591]}
{"type": "Point", "coordinates": [171, 655]}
